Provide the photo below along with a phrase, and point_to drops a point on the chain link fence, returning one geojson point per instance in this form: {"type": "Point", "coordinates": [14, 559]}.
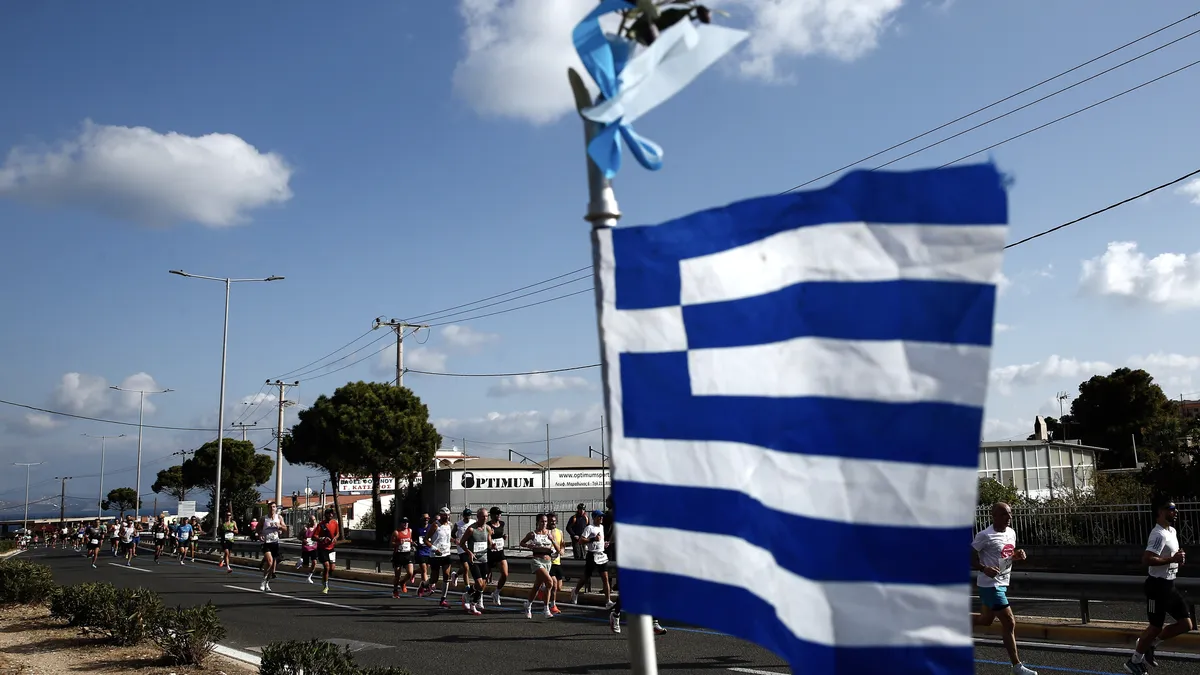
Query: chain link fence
{"type": "Point", "coordinates": [1092, 525]}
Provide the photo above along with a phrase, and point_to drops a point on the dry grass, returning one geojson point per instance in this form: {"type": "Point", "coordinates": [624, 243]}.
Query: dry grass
{"type": "Point", "coordinates": [32, 643]}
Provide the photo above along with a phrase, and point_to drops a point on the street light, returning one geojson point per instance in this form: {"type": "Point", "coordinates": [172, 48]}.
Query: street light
{"type": "Point", "coordinates": [100, 501]}
{"type": "Point", "coordinates": [221, 409]}
{"type": "Point", "coordinates": [27, 466]}
{"type": "Point", "coordinates": [137, 502]}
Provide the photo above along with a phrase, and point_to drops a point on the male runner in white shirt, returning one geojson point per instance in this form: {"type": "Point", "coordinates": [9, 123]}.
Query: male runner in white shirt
{"type": "Point", "coordinates": [1162, 558]}
{"type": "Point", "coordinates": [992, 555]}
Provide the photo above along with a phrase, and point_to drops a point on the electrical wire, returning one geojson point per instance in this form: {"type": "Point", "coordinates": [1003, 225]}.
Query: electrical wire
{"type": "Point", "coordinates": [302, 376]}
{"type": "Point", "coordinates": [352, 363]}
{"type": "Point", "coordinates": [97, 419]}
{"type": "Point", "coordinates": [513, 309]}
{"type": "Point", "coordinates": [584, 277]}
{"type": "Point", "coordinates": [991, 105]}
{"type": "Point", "coordinates": [531, 372]}
{"type": "Point", "coordinates": [540, 440]}
{"type": "Point", "coordinates": [417, 317]}
{"type": "Point", "coordinates": [280, 377]}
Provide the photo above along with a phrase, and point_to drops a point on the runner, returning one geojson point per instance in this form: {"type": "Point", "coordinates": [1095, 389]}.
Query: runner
{"type": "Point", "coordinates": [94, 537]}
{"type": "Point", "coordinates": [327, 534]}
{"type": "Point", "coordinates": [423, 554]}
{"type": "Point", "coordinates": [128, 529]}
{"type": "Point", "coordinates": [438, 535]}
{"type": "Point", "coordinates": [183, 534]}
{"type": "Point", "coordinates": [308, 548]}
{"type": "Point", "coordinates": [538, 542]}
{"type": "Point", "coordinates": [229, 530]}
{"type": "Point", "coordinates": [476, 544]}
{"type": "Point", "coordinates": [114, 536]}
{"type": "Point", "coordinates": [614, 615]}
{"type": "Point", "coordinates": [270, 528]}
{"type": "Point", "coordinates": [496, 558]}
{"type": "Point", "coordinates": [402, 558]}
{"type": "Point", "coordinates": [597, 559]}
{"type": "Point", "coordinates": [196, 534]}
{"type": "Point", "coordinates": [1162, 558]}
{"type": "Point", "coordinates": [557, 538]}
{"type": "Point", "coordinates": [137, 536]}
{"type": "Point", "coordinates": [577, 523]}
{"type": "Point", "coordinates": [160, 537]}
{"type": "Point", "coordinates": [463, 566]}
{"type": "Point", "coordinates": [992, 555]}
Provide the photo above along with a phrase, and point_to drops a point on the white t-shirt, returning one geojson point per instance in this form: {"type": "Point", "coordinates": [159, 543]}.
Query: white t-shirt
{"type": "Point", "coordinates": [460, 528]}
{"type": "Point", "coordinates": [127, 532]}
{"type": "Point", "coordinates": [594, 531]}
{"type": "Point", "coordinates": [271, 528]}
{"type": "Point", "coordinates": [995, 549]}
{"type": "Point", "coordinates": [440, 541]}
{"type": "Point", "coordinates": [1163, 542]}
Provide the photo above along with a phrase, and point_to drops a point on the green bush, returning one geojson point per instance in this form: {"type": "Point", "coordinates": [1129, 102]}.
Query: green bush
{"type": "Point", "coordinates": [24, 582]}
{"type": "Point", "coordinates": [316, 657]}
{"type": "Point", "coordinates": [89, 604]}
{"type": "Point", "coordinates": [186, 636]}
{"type": "Point", "coordinates": [7, 545]}
{"type": "Point", "coordinates": [138, 610]}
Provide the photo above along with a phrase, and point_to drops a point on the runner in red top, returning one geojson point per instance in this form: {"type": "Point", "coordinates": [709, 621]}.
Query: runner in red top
{"type": "Point", "coordinates": [327, 534]}
{"type": "Point", "coordinates": [402, 557]}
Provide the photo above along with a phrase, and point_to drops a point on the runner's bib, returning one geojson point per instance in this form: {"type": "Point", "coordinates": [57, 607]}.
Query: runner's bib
{"type": "Point", "coordinates": [183, 537]}
{"type": "Point", "coordinates": [405, 546]}
{"type": "Point", "coordinates": [94, 542]}
{"type": "Point", "coordinates": [600, 558]}
{"type": "Point", "coordinates": [310, 542]}
{"type": "Point", "coordinates": [160, 535]}
{"type": "Point", "coordinates": [479, 547]}
{"type": "Point", "coordinates": [228, 536]}
{"type": "Point", "coordinates": [332, 556]}
{"type": "Point", "coordinates": [498, 544]}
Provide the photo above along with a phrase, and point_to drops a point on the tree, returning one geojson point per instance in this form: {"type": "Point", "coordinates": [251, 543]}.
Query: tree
{"type": "Point", "coordinates": [366, 428]}
{"type": "Point", "coordinates": [171, 483]}
{"type": "Point", "coordinates": [121, 499]}
{"type": "Point", "coordinates": [1172, 460]}
{"type": "Point", "coordinates": [992, 491]}
{"type": "Point", "coordinates": [1113, 410]}
{"type": "Point", "coordinates": [242, 471]}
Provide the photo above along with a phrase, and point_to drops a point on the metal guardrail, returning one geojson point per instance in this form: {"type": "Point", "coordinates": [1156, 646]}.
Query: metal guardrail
{"type": "Point", "coordinates": [1095, 587]}
{"type": "Point", "coordinates": [1088, 525]}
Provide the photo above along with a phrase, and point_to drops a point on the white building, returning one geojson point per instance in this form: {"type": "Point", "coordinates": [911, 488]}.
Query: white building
{"type": "Point", "coordinates": [1039, 469]}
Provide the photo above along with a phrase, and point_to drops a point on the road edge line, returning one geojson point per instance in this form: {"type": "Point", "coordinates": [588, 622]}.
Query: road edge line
{"type": "Point", "coordinates": [237, 655]}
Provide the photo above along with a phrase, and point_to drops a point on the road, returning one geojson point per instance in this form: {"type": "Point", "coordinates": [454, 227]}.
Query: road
{"type": "Point", "coordinates": [416, 634]}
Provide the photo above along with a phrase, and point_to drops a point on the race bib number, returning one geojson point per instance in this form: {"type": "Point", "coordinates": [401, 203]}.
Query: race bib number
{"type": "Point", "coordinates": [228, 536]}
{"type": "Point", "coordinates": [332, 556]}
{"type": "Point", "coordinates": [183, 537]}
{"type": "Point", "coordinates": [479, 547]}
{"type": "Point", "coordinates": [160, 535]}
{"type": "Point", "coordinates": [405, 546]}
{"type": "Point", "coordinates": [498, 544]}
{"type": "Point", "coordinates": [309, 542]}
{"type": "Point", "coordinates": [271, 537]}
{"type": "Point", "coordinates": [600, 558]}
{"type": "Point", "coordinates": [94, 542]}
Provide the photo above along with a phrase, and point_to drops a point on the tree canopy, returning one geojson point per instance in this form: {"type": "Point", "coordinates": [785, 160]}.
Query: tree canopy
{"type": "Point", "coordinates": [121, 499]}
{"type": "Point", "coordinates": [170, 482]}
{"type": "Point", "coordinates": [365, 428]}
{"type": "Point", "coordinates": [1112, 410]}
{"type": "Point", "coordinates": [242, 471]}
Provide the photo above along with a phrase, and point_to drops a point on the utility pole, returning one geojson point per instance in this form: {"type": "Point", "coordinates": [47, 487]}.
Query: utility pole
{"type": "Point", "coordinates": [242, 426]}
{"type": "Point", "coordinates": [398, 326]}
{"type": "Point", "coordinates": [100, 499]}
{"type": "Point", "coordinates": [137, 502]}
{"type": "Point", "coordinates": [28, 466]}
{"type": "Point", "coordinates": [1062, 396]}
{"type": "Point", "coordinates": [283, 403]}
{"type": "Point", "coordinates": [62, 499]}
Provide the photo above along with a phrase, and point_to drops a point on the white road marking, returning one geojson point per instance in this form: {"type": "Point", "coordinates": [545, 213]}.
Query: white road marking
{"type": "Point", "coordinates": [292, 597]}
{"type": "Point", "coordinates": [752, 671]}
{"type": "Point", "coordinates": [129, 567]}
{"type": "Point", "coordinates": [238, 655]}
{"type": "Point", "coordinates": [1056, 646]}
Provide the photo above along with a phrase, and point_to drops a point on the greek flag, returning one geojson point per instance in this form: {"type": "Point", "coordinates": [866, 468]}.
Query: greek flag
{"type": "Point", "coordinates": [796, 388]}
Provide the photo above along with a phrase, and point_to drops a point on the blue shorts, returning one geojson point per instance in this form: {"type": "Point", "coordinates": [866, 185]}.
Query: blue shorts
{"type": "Point", "coordinates": [994, 597]}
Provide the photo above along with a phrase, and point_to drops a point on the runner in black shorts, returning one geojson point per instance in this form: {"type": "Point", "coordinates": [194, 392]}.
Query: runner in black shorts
{"type": "Point", "coordinates": [421, 541]}
{"type": "Point", "coordinates": [1162, 557]}
{"type": "Point", "coordinates": [496, 558]}
{"type": "Point", "coordinates": [476, 542]}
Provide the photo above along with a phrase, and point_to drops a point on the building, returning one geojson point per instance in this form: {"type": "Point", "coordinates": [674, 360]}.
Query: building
{"type": "Point", "coordinates": [559, 484]}
{"type": "Point", "coordinates": [1037, 468]}
{"type": "Point", "coordinates": [1189, 409]}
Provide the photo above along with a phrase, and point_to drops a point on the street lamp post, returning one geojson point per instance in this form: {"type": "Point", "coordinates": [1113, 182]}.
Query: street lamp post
{"type": "Point", "coordinates": [137, 503]}
{"type": "Point", "coordinates": [221, 409]}
{"type": "Point", "coordinates": [28, 466]}
{"type": "Point", "coordinates": [100, 499]}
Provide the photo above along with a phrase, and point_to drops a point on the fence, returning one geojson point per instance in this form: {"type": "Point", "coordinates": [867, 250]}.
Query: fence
{"type": "Point", "coordinates": [1099, 524]}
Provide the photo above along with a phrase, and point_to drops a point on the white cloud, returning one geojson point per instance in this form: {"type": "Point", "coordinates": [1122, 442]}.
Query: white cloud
{"type": "Point", "coordinates": [1163, 361]}
{"type": "Point", "coordinates": [1003, 328]}
{"type": "Point", "coordinates": [496, 429]}
{"type": "Point", "coordinates": [995, 429]}
{"type": "Point", "coordinates": [1005, 378]}
{"type": "Point", "coordinates": [33, 423]}
{"type": "Point", "coordinates": [517, 51]}
{"type": "Point", "coordinates": [416, 358]}
{"type": "Point", "coordinates": [537, 383]}
{"type": "Point", "coordinates": [259, 398]}
{"type": "Point", "coordinates": [1192, 189]}
{"type": "Point", "coordinates": [89, 395]}
{"type": "Point", "coordinates": [153, 178]}
{"type": "Point", "coordinates": [1003, 283]}
{"type": "Point", "coordinates": [466, 337]}
{"type": "Point", "coordinates": [1170, 280]}
{"type": "Point", "coordinates": [839, 28]}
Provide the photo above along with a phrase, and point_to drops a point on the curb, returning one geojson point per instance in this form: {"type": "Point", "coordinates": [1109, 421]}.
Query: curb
{"type": "Point", "coordinates": [1031, 628]}
{"type": "Point", "coordinates": [516, 590]}
{"type": "Point", "coordinates": [238, 655]}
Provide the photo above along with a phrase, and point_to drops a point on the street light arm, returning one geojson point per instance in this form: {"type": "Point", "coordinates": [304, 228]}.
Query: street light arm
{"type": "Point", "coordinates": [227, 280]}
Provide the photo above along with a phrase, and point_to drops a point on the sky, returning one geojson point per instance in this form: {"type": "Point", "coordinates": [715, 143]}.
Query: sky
{"type": "Point", "coordinates": [397, 159]}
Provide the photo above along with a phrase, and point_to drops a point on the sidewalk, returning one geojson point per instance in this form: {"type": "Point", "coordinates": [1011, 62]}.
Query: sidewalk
{"type": "Point", "coordinates": [1073, 631]}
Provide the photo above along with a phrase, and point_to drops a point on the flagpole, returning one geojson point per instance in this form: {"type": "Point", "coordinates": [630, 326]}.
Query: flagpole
{"type": "Point", "coordinates": [603, 212]}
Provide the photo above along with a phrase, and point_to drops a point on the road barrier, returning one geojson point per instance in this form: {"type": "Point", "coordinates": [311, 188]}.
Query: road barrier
{"type": "Point", "coordinates": [1093, 587]}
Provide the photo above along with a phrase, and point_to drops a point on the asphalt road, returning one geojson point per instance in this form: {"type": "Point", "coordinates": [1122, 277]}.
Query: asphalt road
{"type": "Point", "coordinates": [1067, 607]}
{"type": "Point", "coordinates": [418, 635]}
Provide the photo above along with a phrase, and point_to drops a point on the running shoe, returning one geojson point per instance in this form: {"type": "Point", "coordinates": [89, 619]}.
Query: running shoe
{"type": "Point", "coordinates": [528, 609]}
{"type": "Point", "coordinates": [1020, 669]}
{"type": "Point", "coordinates": [396, 595]}
{"type": "Point", "coordinates": [1148, 657]}
{"type": "Point", "coordinates": [610, 604]}
{"type": "Point", "coordinates": [477, 610]}
{"type": "Point", "coordinates": [444, 604]}
{"type": "Point", "coordinates": [546, 611]}
{"type": "Point", "coordinates": [404, 589]}
{"type": "Point", "coordinates": [325, 589]}
{"type": "Point", "coordinates": [1135, 668]}
{"type": "Point", "coordinates": [614, 622]}
{"type": "Point", "coordinates": [575, 597]}
{"type": "Point", "coordinates": [496, 597]}
{"type": "Point", "coordinates": [554, 609]}
{"type": "Point", "coordinates": [262, 586]}
{"type": "Point", "coordinates": [659, 630]}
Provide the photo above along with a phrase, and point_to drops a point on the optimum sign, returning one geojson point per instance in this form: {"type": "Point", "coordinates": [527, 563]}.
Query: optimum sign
{"type": "Point", "coordinates": [496, 480]}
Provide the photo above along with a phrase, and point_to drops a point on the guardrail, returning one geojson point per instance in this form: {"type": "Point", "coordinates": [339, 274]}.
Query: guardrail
{"type": "Point", "coordinates": [1094, 587]}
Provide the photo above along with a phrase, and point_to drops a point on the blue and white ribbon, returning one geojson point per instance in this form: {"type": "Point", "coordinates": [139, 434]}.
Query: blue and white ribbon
{"type": "Point", "coordinates": [630, 87]}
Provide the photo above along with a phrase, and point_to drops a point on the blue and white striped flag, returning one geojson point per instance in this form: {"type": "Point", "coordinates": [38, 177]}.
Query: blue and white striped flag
{"type": "Point", "coordinates": [796, 389]}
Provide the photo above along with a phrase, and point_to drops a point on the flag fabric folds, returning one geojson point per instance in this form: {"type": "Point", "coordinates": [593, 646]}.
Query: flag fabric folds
{"type": "Point", "coordinates": [796, 388]}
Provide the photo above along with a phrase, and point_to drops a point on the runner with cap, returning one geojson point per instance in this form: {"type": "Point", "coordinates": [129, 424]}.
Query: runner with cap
{"type": "Point", "coordinates": [327, 534]}
{"type": "Point", "coordinates": [423, 554]}
{"type": "Point", "coordinates": [229, 530]}
{"type": "Point", "coordinates": [438, 535]}
{"type": "Point", "coordinates": [497, 560]}
{"type": "Point", "coordinates": [159, 532]}
{"type": "Point", "coordinates": [463, 566]}
{"type": "Point", "coordinates": [476, 543]}
{"type": "Point", "coordinates": [1162, 558]}
{"type": "Point", "coordinates": [597, 559]}
{"type": "Point", "coordinates": [94, 535]}
{"type": "Point", "coordinates": [402, 558]}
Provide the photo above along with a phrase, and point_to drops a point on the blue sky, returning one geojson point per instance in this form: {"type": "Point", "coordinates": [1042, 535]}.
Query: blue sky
{"type": "Point", "coordinates": [400, 158]}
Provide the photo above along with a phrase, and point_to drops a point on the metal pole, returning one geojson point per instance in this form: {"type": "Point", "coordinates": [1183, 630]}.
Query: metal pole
{"type": "Point", "coordinates": [603, 464]}
{"type": "Point", "coordinates": [137, 502]}
{"type": "Point", "coordinates": [100, 503]}
{"type": "Point", "coordinates": [221, 419]}
{"type": "Point", "coordinates": [400, 356]}
{"type": "Point", "coordinates": [546, 478]}
{"type": "Point", "coordinates": [62, 500]}
{"type": "Point", "coordinates": [28, 466]}
{"type": "Point", "coordinates": [603, 212]}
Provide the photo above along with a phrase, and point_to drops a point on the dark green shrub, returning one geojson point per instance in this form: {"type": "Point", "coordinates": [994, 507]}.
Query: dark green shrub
{"type": "Point", "coordinates": [293, 658]}
{"type": "Point", "coordinates": [137, 611]}
{"type": "Point", "coordinates": [7, 545]}
{"type": "Point", "coordinates": [186, 635]}
{"type": "Point", "coordinates": [88, 604]}
{"type": "Point", "coordinates": [24, 582]}
{"type": "Point", "coordinates": [383, 670]}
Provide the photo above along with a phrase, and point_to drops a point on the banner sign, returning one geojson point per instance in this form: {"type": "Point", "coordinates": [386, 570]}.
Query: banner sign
{"type": "Point", "coordinates": [496, 480]}
{"type": "Point", "coordinates": [579, 478]}
{"type": "Point", "coordinates": [187, 509]}
{"type": "Point", "coordinates": [353, 484]}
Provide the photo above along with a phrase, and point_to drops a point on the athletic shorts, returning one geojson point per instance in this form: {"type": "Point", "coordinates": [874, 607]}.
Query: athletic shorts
{"type": "Point", "coordinates": [1163, 598]}
{"type": "Point", "coordinates": [402, 558]}
{"type": "Point", "coordinates": [993, 597]}
{"type": "Point", "coordinates": [495, 557]}
{"type": "Point", "coordinates": [325, 556]}
{"type": "Point", "coordinates": [590, 567]}
{"type": "Point", "coordinates": [126, 547]}
{"type": "Point", "coordinates": [272, 548]}
{"type": "Point", "coordinates": [307, 556]}
{"type": "Point", "coordinates": [159, 543]}
{"type": "Point", "coordinates": [440, 562]}
{"type": "Point", "coordinates": [422, 557]}
{"type": "Point", "coordinates": [540, 564]}
{"type": "Point", "coordinates": [226, 545]}
{"type": "Point", "coordinates": [93, 547]}
{"type": "Point", "coordinates": [556, 571]}
{"type": "Point", "coordinates": [479, 570]}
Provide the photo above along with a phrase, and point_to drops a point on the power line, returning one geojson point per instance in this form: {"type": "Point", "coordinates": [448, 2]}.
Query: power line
{"type": "Point", "coordinates": [516, 297]}
{"type": "Point", "coordinates": [301, 376]}
{"type": "Point", "coordinates": [352, 363]}
{"type": "Point", "coordinates": [513, 309]}
{"type": "Point", "coordinates": [280, 377]}
{"type": "Point", "coordinates": [993, 104]}
{"type": "Point", "coordinates": [540, 440]}
{"type": "Point", "coordinates": [531, 372]}
{"type": "Point", "coordinates": [418, 317]}
{"type": "Point", "coordinates": [97, 419]}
